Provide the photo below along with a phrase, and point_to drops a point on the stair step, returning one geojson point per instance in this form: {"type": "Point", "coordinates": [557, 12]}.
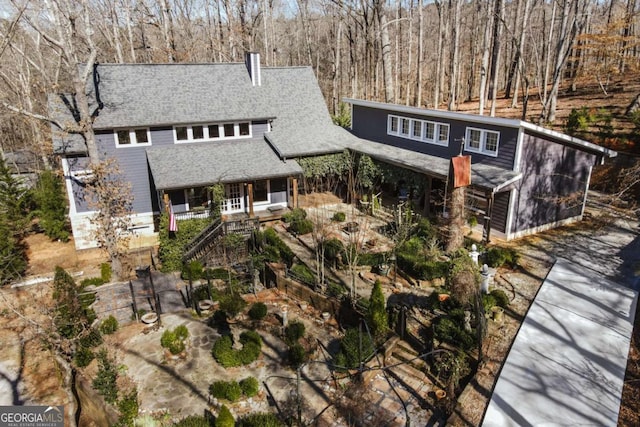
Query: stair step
{"type": "Point", "coordinates": [410, 358]}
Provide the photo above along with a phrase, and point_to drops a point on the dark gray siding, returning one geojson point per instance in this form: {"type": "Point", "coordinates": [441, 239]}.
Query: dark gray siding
{"type": "Point", "coordinates": [500, 211]}
{"type": "Point", "coordinates": [555, 178]}
{"type": "Point", "coordinates": [371, 123]}
{"type": "Point", "coordinates": [77, 164]}
{"type": "Point", "coordinates": [178, 200]}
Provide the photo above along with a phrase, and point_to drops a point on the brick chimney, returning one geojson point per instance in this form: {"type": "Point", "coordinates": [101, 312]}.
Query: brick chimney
{"type": "Point", "coordinates": [252, 60]}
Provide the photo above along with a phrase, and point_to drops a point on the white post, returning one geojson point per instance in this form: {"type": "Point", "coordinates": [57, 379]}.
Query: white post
{"type": "Point", "coordinates": [484, 285]}
{"type": "Point", "coordinates": [285, 318]}
{"type": "Point", "coordinates": [474, 254]}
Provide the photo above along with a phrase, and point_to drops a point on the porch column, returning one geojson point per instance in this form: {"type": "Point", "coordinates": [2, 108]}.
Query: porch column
{"type": "Point", "coordinates": [165, 199]}
{"type": "Point", "coordinates": [250, 198]}
{"type": "Point", "coordinates": [427, 197]}
{"type": "Point", "coordinates": [294, 195]}
{"type": "Point", "coordinates": [486, 232]}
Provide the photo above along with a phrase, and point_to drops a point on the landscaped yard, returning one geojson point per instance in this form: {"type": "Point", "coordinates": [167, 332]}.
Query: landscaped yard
{"type": "Point", "coordinates": [399, 384]}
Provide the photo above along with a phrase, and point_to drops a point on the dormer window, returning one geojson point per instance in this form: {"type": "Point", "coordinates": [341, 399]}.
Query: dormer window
{"type": "Point", "coordinates": [482, 141]}
{"type": "Point", "coordinates": [229, 130]}
{"type": "Point", "coordinates": [132, 137]}
{"type": "Point", "coordinates": [198, 133]}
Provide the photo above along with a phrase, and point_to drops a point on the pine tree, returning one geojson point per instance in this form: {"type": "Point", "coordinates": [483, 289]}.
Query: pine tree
{"type": "Point", "coordinates": [225, 418]}
{"type": "Point", "coordinates": [377, 314]}
{"type": "Point", "coordinates": [51, 206]}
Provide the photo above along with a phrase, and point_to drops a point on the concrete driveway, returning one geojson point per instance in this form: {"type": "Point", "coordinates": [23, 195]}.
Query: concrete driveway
{"type": "Point", "coordinates": [567, 364]}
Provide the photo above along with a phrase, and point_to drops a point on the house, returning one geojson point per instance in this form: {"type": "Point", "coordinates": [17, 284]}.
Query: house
{"type": "Point", "coordinates": [178, 129]}
{"type": "Point", "coordinates": [524, 178]}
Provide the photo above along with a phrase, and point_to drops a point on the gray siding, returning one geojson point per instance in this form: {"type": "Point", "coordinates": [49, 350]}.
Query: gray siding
{"type": "Point", "coordinates": [371, 123]}
{"type": "Point", "coordinates": [555, 178]}
{"type": "Point", "coordinates": [133, 165]}
{"type": "Point", "coordinates": [78, 164]}
{"type": "Point", "coordinates": [500, 211]}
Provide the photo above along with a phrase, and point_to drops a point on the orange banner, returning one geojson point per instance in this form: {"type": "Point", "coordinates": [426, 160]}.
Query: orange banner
{"type": "Point", "coordinates": [461, 171]}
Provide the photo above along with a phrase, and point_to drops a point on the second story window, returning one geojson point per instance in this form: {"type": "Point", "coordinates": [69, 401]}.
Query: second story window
{"type": "Point", "coordinates": [197, 133]}
{"type": "Point", "coordinates": [482, 141]}
{"type": "Point", "coordinates": [132, 137]}
{"type": "Point", "coordinates": [419, 130]}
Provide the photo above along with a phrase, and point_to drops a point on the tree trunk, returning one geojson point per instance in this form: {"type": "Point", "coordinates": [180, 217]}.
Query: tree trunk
{"type": "Point", "coordinates": [495, 54]}
{"type": "Point", "coordinates": [385, 46]}
{"type": "Point", "coordinates": [419, 62]}
{"type": "Point", "coordinates": [455, 49]}
{"type": "Point", "coordinates": [484, 66]}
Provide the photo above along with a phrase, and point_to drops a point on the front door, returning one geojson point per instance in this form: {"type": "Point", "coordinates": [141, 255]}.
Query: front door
{"type": "Point", "coordinates": [234, 198]}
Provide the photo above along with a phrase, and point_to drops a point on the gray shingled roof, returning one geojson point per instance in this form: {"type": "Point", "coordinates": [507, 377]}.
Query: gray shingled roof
{"type": "Point", "coordinates": [483, 176]}
{"type": "Point", "coordinates": [193, 165]}
{"type": "Point", "coordinates": [167, 94]}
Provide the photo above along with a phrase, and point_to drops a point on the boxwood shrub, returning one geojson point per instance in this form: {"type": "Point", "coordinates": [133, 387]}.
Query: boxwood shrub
{"type": "Point", "coordinates": [452, 332]}
{"type": "Point", "coordinates": [258, 311]}
{"type": "Point", "coordinates": [497, 257]}
{"type": "Point", "coordinates": [262, 419]}
{"type": "Point", "coordinates": [228, 357]}
{"type": "Point", "coordinates": [249, 386]}
{"type": "Point", "coordinates": [339, 217]}
{"type": "Point", "coordinates": [229, 390]}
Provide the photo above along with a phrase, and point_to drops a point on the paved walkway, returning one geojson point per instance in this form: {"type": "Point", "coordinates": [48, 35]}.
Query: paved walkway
{"type": "Point", "coordinates": [567, 364]}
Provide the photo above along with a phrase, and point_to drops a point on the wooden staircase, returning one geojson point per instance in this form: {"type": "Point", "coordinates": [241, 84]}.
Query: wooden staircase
{"type": "Point", "coordinates": [405, 367]}
{"type": "Point", "coordinates": [201, 246]}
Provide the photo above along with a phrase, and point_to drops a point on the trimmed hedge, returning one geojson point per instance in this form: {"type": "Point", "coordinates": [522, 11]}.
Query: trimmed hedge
{"type": "Point", "coordinates": [262, 419]}
{"type": "Point", "coordinates": [249, 386]}
{"type": "Point", "coordinates": [232, 390]}
{"type": "Point", "coordinates": [194, 421]}
{"type": "Point", "coordinates": [258, 311]}
{"type": "Point", "coordinates": [228, 357]}
{"type": "Point", "coordinates": [229, 390]}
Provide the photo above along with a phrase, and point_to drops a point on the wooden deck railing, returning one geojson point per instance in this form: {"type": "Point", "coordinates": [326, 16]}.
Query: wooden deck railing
{"type": "Point", "coordinates": [194, 214]}
{"type": "Point", "coordinates": [201, 245]}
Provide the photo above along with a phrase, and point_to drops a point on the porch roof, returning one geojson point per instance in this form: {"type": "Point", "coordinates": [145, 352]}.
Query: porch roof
{"type": "Point", "coordinates": [484, 176]}
{"type": "Point", "coordinates": [200, 164]}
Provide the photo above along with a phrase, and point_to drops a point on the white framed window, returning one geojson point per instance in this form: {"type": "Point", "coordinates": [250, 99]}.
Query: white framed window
{"type": "Point", "coordinates": [482, 141]}
{"type": "Point", "coordinates": [132, 137]}
{"type": "Point", "coordinates": [418, 130]}
{"type": "Point", "coordinates": [404, 126]}
{"type": "Point", "coordinates": [393, 125]}
{"type": "Point", "coordinates": [214, 131]}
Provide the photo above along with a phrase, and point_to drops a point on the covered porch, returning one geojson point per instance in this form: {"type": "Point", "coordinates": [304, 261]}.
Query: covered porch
{"type": "Point", "coordinates": [256, 183]}
{"type": "Point", "coordinates": [487, 197]}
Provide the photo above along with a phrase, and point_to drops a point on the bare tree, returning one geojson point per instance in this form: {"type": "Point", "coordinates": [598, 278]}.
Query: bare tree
{"type": "Point", "coordinates": [109, 195]}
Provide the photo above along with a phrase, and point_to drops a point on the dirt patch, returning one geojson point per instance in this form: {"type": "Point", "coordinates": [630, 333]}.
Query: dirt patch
{"type": "Point", "coordinates": [45, 255]}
